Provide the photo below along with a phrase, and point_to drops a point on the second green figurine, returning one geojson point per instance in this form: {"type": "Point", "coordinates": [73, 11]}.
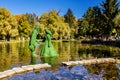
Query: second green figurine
{"type": "Point", "coordinates": [48, 49]}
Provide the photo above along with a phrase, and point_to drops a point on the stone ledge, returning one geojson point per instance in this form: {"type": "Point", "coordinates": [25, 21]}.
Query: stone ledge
{"type": "Point", "coordinates": [23, 69]}
{"type": "Point", "coordinates": [90, 62]}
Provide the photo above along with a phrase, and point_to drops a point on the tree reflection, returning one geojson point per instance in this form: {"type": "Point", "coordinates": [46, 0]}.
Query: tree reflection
{"type": "Point", "coordinates": [17, 54]}
{"type": "Point", "coordinates": [13, 54]}
{"type": "Point", "coordinates": [49, 60]}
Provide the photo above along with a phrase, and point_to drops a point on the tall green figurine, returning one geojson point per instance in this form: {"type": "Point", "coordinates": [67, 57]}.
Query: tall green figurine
{"type": "Point", "coordinates": [33, 41]}
{"type": "Point", "coordinates": [48, 49]}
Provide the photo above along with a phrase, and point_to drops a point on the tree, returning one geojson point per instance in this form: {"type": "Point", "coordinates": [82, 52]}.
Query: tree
{"type": "Point", "coordinates": [56, 24]}
{"type": "Point", "coordinates": [14, 27]}
{"type": "Point", "coordinates": [110, 10]}
{"type": "Point", "coordinates": [32, 19]}
{"type": "Point", "coordinates": [91, 23]}
{"type": "Point", "coordinates": [71, 20]}
{"type": "Point", "coordinates": [43, 23]}
{"type": "Point", "coordinates": [116, 20]}
{"type": "Point", "coordinates": [97, 21]}
{"type": "Point", "coordinates": [88, 16]}
{"type": "Point", "coordinates": [23, 26]}
{"type": "Point", "coordinates": [83, 27]}
{"type": "Point", "coordinates": [8, 24]}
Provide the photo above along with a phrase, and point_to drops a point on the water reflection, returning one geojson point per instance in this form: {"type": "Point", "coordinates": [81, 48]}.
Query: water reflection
{"type": "Point", "coordinates": [91, 53]}
{"type": "Point", "coordinates": [49, 60]}
{"type": "Point", "coordinates": [98, 51]}
{"type": "Point", "coordinates": [118, 78]}
{"type": "Point", "coordinates": [18, 54]}
{"type": "Point", "coordinates": [13, 54]}
{"type": "Point", "coordinates": [110, 70]}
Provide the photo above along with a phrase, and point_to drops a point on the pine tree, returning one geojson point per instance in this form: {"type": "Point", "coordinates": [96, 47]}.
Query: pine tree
{"type": "Point", "coordinates": [71, 20]}
{"type": "Point", "coordinates": [110, 10]}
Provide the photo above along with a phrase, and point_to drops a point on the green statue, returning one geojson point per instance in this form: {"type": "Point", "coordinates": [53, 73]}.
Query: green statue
{"type": "Point", "coordinates": [32, 43]}
{"type": "Point", "coordinates": [48, 49]}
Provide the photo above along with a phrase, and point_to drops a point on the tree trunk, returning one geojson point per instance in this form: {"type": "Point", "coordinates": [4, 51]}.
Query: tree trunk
{"type": "Point", "coordinates": [8, 37]}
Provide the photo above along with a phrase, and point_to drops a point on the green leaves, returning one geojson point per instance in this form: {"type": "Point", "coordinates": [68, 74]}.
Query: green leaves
{"type": "Point", "coordinates": [110, 10]}
{"type": "Point", "coordinates": [100, 21]}
{"type": "Point", "coordinates": [70, 19]}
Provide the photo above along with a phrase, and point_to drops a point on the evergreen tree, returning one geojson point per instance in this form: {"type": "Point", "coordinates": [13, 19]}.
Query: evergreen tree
{"type": "Point", "coordinates": [116, 20]}
{"type": "Point", "coordinates": [89, 17]}
{"type": "Point", "coordinates": [83, 27]}
{"type": "Point", "coordinates": [71, 20]}
{"type": "Point", "coordinates": [110, 9]}
{"type": "Point", "coordinates": [91, 23]}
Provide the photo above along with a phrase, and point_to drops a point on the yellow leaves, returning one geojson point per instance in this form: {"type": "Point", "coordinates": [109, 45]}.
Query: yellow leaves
{"type": "Point", "coordinates": [53, 13]}
{"type": "Point", "coordinates": [6, 26]}
{"type": "Point", "coordinates": [7, 23]}
{"type": "Point", "coordinates": [21, 18]}
{"type": "Point", "coordinates": [1, 17]}
{"type": "Point", "coordinates": [51, 19]}
{"type": "Point", "coordinates": [43, 18]}
{"type": "Point", "coordinates": [5, 12]}
{"type": "Point", "coordinates": [14, 32]}
{"type": "Point", "coordinates": [12, 21]}
{"type": "Point", "coordinates": [17, 17]}
{"type": "Point", "coordinates": [42, 27]}
{"type": "Point", "coordinates": [24, 27]}
{"type": "Point", "coordinates": [116, 20]}
{"type": "Point", "coordinates": [3, 32]}
{"type": "Point", "coordinates": [55, 35]}
{"type": "Point", "coordinates": [114, 31]}
{"type": "Point", "coordinates": [55, 23]}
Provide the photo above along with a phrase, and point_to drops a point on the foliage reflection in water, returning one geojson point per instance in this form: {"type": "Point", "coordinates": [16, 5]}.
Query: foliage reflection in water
{"type": "Point", "coordinates": [18, 54]}
{"type": "Point", "coordinates": [76, 73]}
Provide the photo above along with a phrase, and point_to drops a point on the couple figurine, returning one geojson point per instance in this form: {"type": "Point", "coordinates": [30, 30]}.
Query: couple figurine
{"type": "Point", "coordinates": [47, 50]}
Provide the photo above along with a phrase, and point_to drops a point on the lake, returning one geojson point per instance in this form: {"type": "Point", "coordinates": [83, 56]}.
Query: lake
{"type": "Point", "coordinates": [18, 54]}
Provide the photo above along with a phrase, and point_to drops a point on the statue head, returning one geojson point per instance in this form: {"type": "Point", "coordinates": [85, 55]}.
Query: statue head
{"type": "Point", "coordinates": [37, 28]}
{"type": "Point", "coordinates": [48, 31]}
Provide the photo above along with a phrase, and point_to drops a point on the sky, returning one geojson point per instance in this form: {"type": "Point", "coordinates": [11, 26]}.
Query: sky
{"type": "Point", "coordinates": [78, 7]}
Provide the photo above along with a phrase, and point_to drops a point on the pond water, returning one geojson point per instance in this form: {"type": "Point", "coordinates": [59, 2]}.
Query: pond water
{"type": "Point", "coordinates": [17, 54]}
